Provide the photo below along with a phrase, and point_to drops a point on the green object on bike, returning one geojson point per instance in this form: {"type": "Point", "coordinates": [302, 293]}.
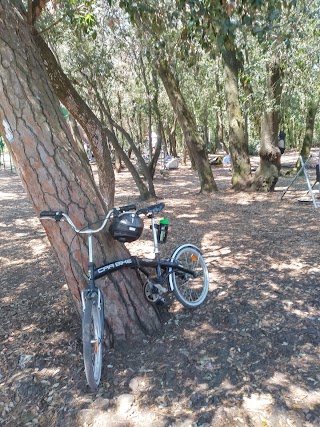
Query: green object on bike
{"type": "Point", "coordinates": [163, 230]}
{"type": "Point", "coordinates": [164, 221]}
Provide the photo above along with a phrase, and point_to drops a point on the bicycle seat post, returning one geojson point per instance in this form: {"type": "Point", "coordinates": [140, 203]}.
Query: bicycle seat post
{"type": "Point", "coordinates": [155, 244]}
{"type": "Point", "coordinates": [91, 264]}
{"type": "Point", "coordinates": [155, 238]}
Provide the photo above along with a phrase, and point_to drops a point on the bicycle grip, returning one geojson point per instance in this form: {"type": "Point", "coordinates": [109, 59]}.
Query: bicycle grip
{"type": "Point", "coordinates": [127, 208]}
{"type": "Point", "coordinates": [57, 216]}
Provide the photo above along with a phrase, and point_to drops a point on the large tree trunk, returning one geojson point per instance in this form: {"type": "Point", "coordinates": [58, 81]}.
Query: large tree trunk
{"type": "Point", "coordinates": [267, 174]}
{"type": "Point", "coordinates": [241, 169]}
{"type": "Point", "coordinates": [197, 149]}
{"type": "Point", "coordinates": [56, 175]}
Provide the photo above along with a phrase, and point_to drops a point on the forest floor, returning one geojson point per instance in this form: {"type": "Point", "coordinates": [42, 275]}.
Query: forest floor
{"type": "Point", "coordinates": [249, 357]}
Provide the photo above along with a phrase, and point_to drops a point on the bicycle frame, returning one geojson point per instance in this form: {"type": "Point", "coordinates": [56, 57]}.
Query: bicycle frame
{"type": "Point", "coordinates": [139, 264]}
{"type": "Point", "coordinates": [159, 265]}
{"type": "Point", "coordinates": [134, 262]}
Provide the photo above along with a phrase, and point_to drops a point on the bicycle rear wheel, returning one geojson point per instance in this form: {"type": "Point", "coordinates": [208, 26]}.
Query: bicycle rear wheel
{"type": "Point", "coordinates": [92, 337]}
{"type": "Point", "coordinates": [190, 290]}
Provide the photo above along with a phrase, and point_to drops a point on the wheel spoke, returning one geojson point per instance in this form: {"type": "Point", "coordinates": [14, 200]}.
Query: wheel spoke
{"type": "Point", "coordinates": [92, 341]}
{"type": "Point", "coordinates": [190, 289]}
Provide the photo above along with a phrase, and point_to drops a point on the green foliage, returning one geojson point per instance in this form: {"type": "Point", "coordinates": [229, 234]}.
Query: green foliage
{"type": "Point", "coordinates": [190, 35]}
{"type": "Point", "coordinates": [79, 14]}
{"type": "Point", "coordinates": [254, 148]}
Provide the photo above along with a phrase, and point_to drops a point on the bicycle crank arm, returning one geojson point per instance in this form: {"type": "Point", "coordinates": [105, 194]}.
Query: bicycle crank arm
{"type": "Point", "coordinates": [159, 287]}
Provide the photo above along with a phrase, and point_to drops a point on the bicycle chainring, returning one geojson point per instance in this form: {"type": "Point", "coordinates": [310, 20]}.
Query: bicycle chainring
{"type": "Point", "coordinates": [150, 292]}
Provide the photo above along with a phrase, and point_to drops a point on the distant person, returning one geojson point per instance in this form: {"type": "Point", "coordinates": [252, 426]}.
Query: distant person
{"type": "Point", "coordinates": [88, 152]}
{"type": "Point", "coordinates": [226, 161]}
{"type": "Point", "coordinates": [282, 141]}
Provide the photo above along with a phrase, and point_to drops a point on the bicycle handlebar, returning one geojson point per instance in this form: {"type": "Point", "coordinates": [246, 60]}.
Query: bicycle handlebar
{"type": "Point", "coordinates": [59, 215]}
{"type": "Point", "coordinates": [126, 208]}
{"type": "Point", "coordinates": [151, 209]}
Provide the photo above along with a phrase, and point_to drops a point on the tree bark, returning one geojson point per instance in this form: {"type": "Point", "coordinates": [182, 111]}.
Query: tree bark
{"type": "Point", "coordinates": [206, 125]}
{"type": "Point", "coordinates": [155, 155]}
{"type": "Point", "coordinates": [197, 149]}
{"type": "Point", "coordinates": [219, 133]}
{"type": "Point", "coordinates": [267, 174]}
{"type": "Point", "coordinates": [117, 161]}
{"type": "Point", "coordinates": [86, 118]}
{"type": "Point", "coordinates": [172, 138]}
{"type": "Point", "coordinates": [119, 151]}
{"type": "Point", "coordinates": [241, 169]}
{"type": "Point", "coordinates": [75, 131]}
{"type": "Point", "coordinates": [149, 104]}
{"type": "Point", "coordinates": [145, 170]}
{"type": "Point", "coordinates": [310, 121]}
{"type": "Point", "coordinates": [56, 176]}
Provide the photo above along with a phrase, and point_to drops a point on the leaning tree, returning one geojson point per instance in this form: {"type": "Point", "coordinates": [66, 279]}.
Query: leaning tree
{"type": "Point", "coordinates": [56, 175]}
{"type": "Point", "coordinates": [152, 25]}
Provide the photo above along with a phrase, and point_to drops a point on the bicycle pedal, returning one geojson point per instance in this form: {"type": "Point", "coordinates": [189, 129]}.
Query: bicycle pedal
{"type": "Point", "coordinates": [159, 287]}
{"type": "Point", "coordinates": [162, 302]}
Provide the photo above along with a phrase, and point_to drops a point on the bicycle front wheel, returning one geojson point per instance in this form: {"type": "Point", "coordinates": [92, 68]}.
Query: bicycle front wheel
{"type": "Point", "coordinates": [190, 289]}
{"type": "Point", "coordinates": [92, 337]}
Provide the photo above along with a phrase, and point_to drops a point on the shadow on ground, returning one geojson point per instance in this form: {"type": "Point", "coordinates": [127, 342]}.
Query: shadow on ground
{"type": "Point", "coordinates": [248, 357]}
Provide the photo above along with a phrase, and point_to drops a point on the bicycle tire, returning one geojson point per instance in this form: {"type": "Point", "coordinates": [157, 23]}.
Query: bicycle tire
{"type": "Point", "coordinates": [190, 291]}
{"type": "Point", "coordinates": [92, 339]}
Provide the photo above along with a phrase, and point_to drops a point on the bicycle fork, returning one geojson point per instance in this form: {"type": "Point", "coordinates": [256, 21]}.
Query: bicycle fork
{"type": "Point", "coordinates": [88, 293]}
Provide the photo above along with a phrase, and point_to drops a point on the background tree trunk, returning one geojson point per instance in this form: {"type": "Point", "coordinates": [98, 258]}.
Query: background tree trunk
{"type": "Point", "coordinates": [197, 149]}
{"type": "Point", "coordinates": [144, 168]}
{"type": "Point", "coordinates": [310, 121]}
{"type": "Point", "coordinates": [172, 138]}
{"type": "Point", "coordinates": [156, 152]}
{"type": "Point", "coordinates": [241, 169]}
{"type": "Point", "coordinates": [56, 176]}
{"type": "Point", "coordinates": [206, 126]}
{"type": "Point", "coordinates": [117, 160]}
{"type": "Point", "coordinates": [267, 173]}
{"type": "Point", "coordinates": [75, 131]}
{"type": "Point", "coordinates": [119, 151]}
{"type": "Point", "coordinates": [219, 133]}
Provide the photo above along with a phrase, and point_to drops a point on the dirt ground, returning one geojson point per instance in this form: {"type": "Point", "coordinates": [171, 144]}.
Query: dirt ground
{"type": "Point", "coordinates": [248, 357]}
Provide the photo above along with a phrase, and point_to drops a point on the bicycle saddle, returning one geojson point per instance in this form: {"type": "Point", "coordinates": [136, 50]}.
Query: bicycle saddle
{"type": "Point", "coordinates": [151, 209]}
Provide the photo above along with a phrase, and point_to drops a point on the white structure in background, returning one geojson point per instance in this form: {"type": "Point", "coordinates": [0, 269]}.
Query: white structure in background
{"type": "Point", "coordinates": [171, 162]}
{"type": "Point", "coordinates": [154, 140]}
